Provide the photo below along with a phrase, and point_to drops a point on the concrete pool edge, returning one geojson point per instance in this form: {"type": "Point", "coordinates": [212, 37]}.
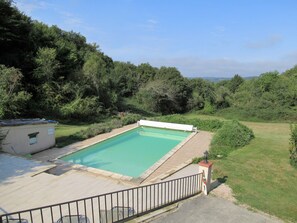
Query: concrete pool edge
{"type": "Point", "coordinates": [96, 171]}
{"type": "Point", "coordinates": [117, 176]}
{"type": "Point", "coordinates": [163, 159]}
{"type": "Point", "coordinates": [102, 137]}
{"type": "Point", "coordinates": [76, 149]}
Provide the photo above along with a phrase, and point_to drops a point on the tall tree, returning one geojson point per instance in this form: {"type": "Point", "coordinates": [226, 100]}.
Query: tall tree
{"type": "Point", "coordinates": [47, 64]}
{"type": "Point", "coordinates": [145, 73]}
{"type": "Point", "coordinates": [13, 100]}
{"type": "Point", "coordinates": [125, 78]}
{"type": "Point", "coordinates": [234, 83]}
{"type": "Point", "coordinates": [15, 43]}
{"type": "Point", "coordinates": [94, 70]}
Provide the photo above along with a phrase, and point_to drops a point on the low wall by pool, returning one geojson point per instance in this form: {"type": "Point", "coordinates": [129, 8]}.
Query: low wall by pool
{"type": "Point", "coordinates": [167, 125]}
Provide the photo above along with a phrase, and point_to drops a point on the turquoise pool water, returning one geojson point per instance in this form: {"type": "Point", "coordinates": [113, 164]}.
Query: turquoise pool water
{"type": "Point", "coordinates": [130, 153]}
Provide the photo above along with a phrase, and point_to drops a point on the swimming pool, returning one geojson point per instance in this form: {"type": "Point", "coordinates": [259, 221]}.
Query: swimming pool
{"type": "Point", "coordinates": [130, 153]}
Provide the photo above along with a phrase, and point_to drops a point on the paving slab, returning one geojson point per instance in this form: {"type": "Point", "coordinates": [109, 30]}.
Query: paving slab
{"type": "Point", "coordinates": [195, 147]}
{"type": "Point", "coordinates": [15, 167]}
{"type": "Point", "coordinates": [23, 186]}
{"type": "Point", "coordinates": [186, 171]}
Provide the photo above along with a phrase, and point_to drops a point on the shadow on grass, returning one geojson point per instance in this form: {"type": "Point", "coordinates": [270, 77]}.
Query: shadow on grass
{"type": "Point", "coordinates": [222, 179]}
{"type": "Point", "coordinates": [218, 182]}
{"type": "Point", "coordinates": [67, 140]}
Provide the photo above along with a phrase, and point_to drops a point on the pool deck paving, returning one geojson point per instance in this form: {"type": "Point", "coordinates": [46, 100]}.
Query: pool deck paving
{"type": "Point", "coordinates": [24, 186]}
{"type": "Point", "coordinates": [186, 171]}
{"type": "Point", "coordinates": [29, 183]}
{"type": "Point", "coordinates": [195, 147]}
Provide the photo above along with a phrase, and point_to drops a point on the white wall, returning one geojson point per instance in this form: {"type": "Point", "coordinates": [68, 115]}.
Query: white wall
{"type": "Point", "coordinates": [17, 140]}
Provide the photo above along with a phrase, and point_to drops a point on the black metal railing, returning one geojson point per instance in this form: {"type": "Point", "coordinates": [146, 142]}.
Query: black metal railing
{"type": "Point", "coordinates": [116, 206]}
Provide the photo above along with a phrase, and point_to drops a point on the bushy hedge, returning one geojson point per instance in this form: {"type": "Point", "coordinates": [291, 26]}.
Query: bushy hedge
{"type": "Point", "coordinates": [99, 128]}
{"type": "Point", "coordinates": [104, 127]}
{"type": "Point", "coordinates": [202, 124]}
{"type": "Point", "coordinates": [278, 113]}
{"type": "Point", "coordinates": [293, 147]}
{"type": "Point", "coordinates": [231, 136]}
{"type": "Point", "coordinates": [130, 119]}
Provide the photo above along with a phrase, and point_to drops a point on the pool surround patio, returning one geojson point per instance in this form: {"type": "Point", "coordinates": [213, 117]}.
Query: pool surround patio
{"type": "Point", "coordinates": [114, 175]}
{"type": "Point", "coordinates": [188, 145]}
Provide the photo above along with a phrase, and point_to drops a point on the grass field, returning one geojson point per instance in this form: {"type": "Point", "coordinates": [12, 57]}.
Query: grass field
{"type": "Point", "coordinates": [260, 174]}
{"type": "Point", "coordinates": [63, 131]}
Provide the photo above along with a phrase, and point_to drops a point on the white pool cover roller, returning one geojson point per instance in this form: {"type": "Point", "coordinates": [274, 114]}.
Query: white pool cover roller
{"type": "Point", "coordinates": [167, 125]}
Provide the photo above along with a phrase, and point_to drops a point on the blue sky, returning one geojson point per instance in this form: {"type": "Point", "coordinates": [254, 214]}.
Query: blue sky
{"type": "Point", "coordinates": [216, 38]}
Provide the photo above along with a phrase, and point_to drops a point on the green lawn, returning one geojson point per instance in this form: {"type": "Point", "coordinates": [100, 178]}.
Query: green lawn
{"type": "Point", "coordinates": [63, 131]}
{"type": "Point", "coordinates": [260, 174]}
{"type": "Point", "coordinates": [200, 116]}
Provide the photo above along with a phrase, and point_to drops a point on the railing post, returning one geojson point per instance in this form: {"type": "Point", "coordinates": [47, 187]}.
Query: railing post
{"type": "Point", "coordinates": [206, 168]}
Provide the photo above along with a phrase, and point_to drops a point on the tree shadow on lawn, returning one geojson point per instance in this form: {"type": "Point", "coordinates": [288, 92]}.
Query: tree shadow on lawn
{"type": "Point", "coordinates": [67, 140]}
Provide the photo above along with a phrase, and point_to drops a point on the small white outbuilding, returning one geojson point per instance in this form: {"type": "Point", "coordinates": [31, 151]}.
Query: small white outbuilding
{"type": "Point", "coordinates": [26, 136]}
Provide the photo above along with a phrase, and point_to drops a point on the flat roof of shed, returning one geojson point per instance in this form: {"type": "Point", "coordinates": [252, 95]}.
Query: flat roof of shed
{"type": "Point", "coordinates": [18, 122]}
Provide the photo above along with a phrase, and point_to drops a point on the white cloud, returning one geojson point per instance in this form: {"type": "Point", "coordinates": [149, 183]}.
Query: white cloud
{"type": "Point", "coordinates": [152, 21]}
{"type": "Point", "coordinates": [29, 6]}
{"type": "Point", "coordinates": [218, 31]}
{"type": "Point", "coordinates": [67, 20]}
{"type": "Point", "coordinates": [70, 19]}
{"type": "Point", "coordinates": [222, 67]}
{"type": "Point", "coordinates": [149, 25]}
{"type": "Point", "coordinates": [268, 42]}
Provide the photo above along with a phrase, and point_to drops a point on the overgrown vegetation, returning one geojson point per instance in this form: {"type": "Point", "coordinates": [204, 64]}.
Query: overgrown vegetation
{"type": "Point", "coordinates": [202, 124]}
{"type": "Point", "coordinates": [231, 136]}
{"type": "Point", "coordinates": [98, 128]}
{"type": "Point", "coordinates": [48, 72]}
{"type": "Point", "coordinates": [293, 146]}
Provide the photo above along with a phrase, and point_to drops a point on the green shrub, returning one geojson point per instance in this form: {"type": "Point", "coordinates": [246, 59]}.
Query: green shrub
{"type": "Point", "coordinates": [230, 137]}
{"type": "Point", "coordinates": [278, 113]}
{"type": "Point", "coordinates": [180, 119]}
{"type": "Point", "coordinates": [198, 159]}
{"type": "Point", "coordinates": [93, 130]}
{"type": "Point", "coordinates": [201, 124]}
{"type": "Point", "coordinates": [104, 127]}
{"type": "Point", "coordinates": [86, 108]}
{"type": "Point", "coordinates": [130, 118]}
{"type": "Point", "coordinates": [115, 123]}
{"type": "Point", "coordinates": [293, 147]}
{"type": "Point", "coordinates": [206, 124]}
{"type": "Point", "coordinates": [208, 108]}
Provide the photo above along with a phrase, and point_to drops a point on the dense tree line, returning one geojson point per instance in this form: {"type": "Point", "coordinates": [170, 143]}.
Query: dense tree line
{"type": "Point", "coordinates": [45, 71]}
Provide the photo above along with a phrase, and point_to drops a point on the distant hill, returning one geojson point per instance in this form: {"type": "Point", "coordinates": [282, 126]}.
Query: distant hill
{"type": "Point", "coordinates": [218, 79]}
